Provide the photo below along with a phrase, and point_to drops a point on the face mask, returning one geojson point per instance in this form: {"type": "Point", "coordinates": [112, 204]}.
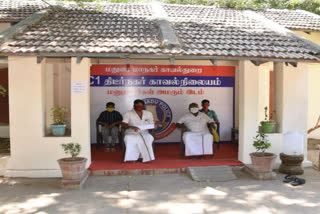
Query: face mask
{"type": "Point", "coordinates": [194, 110]}
{"type": "Point", "coordinates": [205, 107]}
{"type": "Point", "coordinates": [138, 108]}
{"type": "Point", "coordinates": [110, 109]}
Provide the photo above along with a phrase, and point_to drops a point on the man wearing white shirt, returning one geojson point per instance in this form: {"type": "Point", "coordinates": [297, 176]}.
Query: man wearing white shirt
{"type": "Point", "coordinates": [197, 138]}
{"type": "Point", "coordinates": [138, 142]}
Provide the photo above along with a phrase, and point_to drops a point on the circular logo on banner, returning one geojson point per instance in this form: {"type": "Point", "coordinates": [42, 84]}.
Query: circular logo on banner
{"type": "Point", "coordinates": [161, 114]}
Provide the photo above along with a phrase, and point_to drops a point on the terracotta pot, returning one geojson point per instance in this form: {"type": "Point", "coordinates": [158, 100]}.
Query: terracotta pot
{"type": "Point", "coordinates": [72, 168]}
{"type": "Point", "coordinates": [262, 163]}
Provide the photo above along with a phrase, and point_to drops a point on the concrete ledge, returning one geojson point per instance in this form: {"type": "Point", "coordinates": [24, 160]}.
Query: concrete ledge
{"type": "Point", "coordinates": [33, 173]}
{"type": "Point", "coordinates": [259, 175]}
{"type": "Point", "coordinates": [138, 171]}
{"type": "Point", "coordinates": [75, 184]}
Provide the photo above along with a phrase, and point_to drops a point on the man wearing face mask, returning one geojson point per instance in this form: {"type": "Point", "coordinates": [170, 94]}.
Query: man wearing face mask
{"type": "Point", "coordinates": [197, 138]}
{"type": "Point", "coordinates": [138, 142]}
{"type": "Point", "coordinates": [110, 121]}
{"type": "Point", "coordinates": [205, 109]}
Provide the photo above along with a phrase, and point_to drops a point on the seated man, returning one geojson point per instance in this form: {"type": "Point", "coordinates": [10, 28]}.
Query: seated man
{"type": "Point", "coordinates": [138, 142]}
{"type": "Point", "coordinates": [197, 138]}
{"type": "Point", "coordinates": [110, 119]}
{"type": "Point", "coordinates": [205, 109]}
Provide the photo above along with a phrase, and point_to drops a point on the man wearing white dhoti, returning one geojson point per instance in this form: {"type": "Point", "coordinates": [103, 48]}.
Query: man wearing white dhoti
{"type": "Point", "coordinates": [197, 138]}
{"type": "Point", "coordinates": [138, 142]}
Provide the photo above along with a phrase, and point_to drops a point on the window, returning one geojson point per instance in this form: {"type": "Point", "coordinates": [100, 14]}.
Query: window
{"type": "Point", "coordinates": [57, 80]}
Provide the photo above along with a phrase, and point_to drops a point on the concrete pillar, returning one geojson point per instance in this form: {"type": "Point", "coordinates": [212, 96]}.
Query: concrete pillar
{"type": "Point", "coordinates": [80, 106]}
{"type": "Point", "coordinates": [291, 98]}
{"type": "Point", "coordinates": [248, 108]}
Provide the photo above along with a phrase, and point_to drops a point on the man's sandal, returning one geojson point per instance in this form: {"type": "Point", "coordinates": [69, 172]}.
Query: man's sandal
{"type": "Point", "coordinates": [289, 178]}
{"type": "Point", "coordinates": [298, 182]}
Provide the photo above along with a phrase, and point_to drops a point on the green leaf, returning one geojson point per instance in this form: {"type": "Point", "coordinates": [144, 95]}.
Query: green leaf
{"type": "Point", "coordinates": [72, 148]}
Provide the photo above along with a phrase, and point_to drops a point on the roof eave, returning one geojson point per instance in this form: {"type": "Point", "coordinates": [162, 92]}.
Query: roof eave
{"type": "Point", "coordinates": [163, 56]}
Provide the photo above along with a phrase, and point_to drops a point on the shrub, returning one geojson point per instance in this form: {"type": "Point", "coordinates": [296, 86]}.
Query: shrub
{"type": "Point", "coordinates": [72, 148]}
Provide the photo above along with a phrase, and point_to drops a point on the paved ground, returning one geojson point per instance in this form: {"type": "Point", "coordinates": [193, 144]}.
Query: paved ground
{"type": "Point", "coordinates": [162, 194]}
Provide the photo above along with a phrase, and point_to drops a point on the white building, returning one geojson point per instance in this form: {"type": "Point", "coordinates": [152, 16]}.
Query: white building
{"type": "Point", "coordinates": [52, 48]}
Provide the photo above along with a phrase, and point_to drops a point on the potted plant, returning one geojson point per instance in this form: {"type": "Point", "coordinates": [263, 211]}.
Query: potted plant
{"type": "Point", "coordinates": [261, 160]}
{"type": "Point", "coordinates": [267, 126]}
{"type": "Point", "coordinates": [72, 168]}
{"type": "Point", "coordinates": [59, 126]}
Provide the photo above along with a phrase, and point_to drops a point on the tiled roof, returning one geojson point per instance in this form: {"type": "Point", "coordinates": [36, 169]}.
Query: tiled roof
{"type": "Point", "coordinates": [223, 31]}
{"type": "Point", "coordinates": [293, 19]}
{"type": "Point", "coordinates": [17, 10]}
{"type": "Point", "coordinates": [131, 29]}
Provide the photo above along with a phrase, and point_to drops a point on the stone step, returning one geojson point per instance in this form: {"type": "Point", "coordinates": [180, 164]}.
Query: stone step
{"type": "Point", "coordinates": [211, 173]}
{"type": "Point", "coordinates": [153, 171]}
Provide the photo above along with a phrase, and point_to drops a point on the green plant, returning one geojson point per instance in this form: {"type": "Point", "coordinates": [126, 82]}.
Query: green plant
{"type": "Point", "coordinates": [58, 114]}
{"type": "Point", "coordinates": [2, 91]}
{"type": "Point", "coordinates": [266, 113]}
{"type": "Point", "coordinates": [266, 118]}
{"type": "Point", "coordinates": [261, 142]}
{"type": "Point", "coordinates": [72, 148]}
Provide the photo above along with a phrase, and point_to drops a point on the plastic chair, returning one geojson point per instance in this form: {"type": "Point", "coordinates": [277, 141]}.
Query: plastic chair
{"type": "Point", "coordinates": [99, 135]}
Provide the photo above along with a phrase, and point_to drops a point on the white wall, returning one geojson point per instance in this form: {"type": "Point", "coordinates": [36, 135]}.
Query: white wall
{"type": "Point", "coordinates": [313, 86]}
{"type": "Point", "coordinates": [291, 105]}
{"type": "Point", "coordinates": [32, 154]}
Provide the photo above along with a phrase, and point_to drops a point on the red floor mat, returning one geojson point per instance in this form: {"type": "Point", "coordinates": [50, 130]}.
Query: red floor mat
{"type": "Point", "coordinates": [167, 156]}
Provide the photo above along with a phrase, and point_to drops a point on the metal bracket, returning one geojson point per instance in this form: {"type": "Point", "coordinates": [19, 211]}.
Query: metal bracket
{"type": "Point", "coordinates": [39, 59]}
{"type": "Point", "coordinates": [128, 63]}
{"type": "Point", "coordinates": [127, 60]}
{"type": "Point", "coordinates": [172, 60]}
{"type": "Point", "coordinates": [214, 62]}
{"type": "Point", "coordinates": [79, 58]}
{"type": "Point", "coordinates": [293, 64]}
{"type": "Point", "coordinates": [255, 62]}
